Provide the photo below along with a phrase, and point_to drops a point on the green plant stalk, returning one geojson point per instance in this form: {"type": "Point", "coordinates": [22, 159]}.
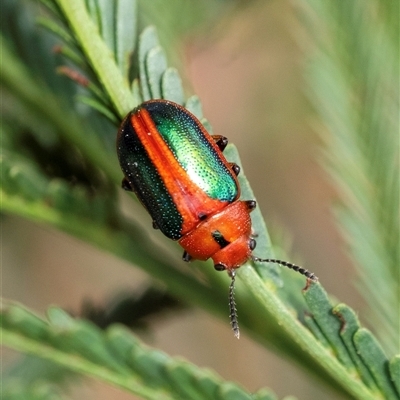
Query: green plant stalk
{"type": "Point", "coordinates": [81, 365]}
{"type": "Point", "coordinates": [98, 54]}
{"type": "Point", "coordinates": [302, 336]}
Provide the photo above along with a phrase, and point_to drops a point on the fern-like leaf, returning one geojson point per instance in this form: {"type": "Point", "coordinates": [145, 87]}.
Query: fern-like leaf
{"type": "Point", "coordinates": [354, 80]}
{"type": "Point", "coordinates": [114, 356]}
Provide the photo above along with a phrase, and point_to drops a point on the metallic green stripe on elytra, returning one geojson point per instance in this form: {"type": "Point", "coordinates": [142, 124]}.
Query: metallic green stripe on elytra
{"type": "Point", "coordinates": [192, 150]}
{"type": "Point", "coordinates": [147, 183]}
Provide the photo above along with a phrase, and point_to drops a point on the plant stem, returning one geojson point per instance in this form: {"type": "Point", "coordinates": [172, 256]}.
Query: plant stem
{"type": "Point", "coordinates": [99, 55]}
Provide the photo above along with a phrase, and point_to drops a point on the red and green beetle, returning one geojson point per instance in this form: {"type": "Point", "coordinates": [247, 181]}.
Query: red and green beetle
{"type": "Point", "coordinates": [178, 172]}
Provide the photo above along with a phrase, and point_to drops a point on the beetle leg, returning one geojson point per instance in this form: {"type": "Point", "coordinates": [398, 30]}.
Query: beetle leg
{"type": "Point", "coordinates": [202, 216]}
{"type": "Point", "coordinates": [186, 256]}
{"type": "Point", "coordinates": [220, 141]}
{"type": "Point", "coordinates": [251, 205]}
{"type": "Point", "coordinates": [126, 185]}
{"type": "Point", "coordinates": [235, 168]}
{"type": "Point", "coordinates": [253, 233]}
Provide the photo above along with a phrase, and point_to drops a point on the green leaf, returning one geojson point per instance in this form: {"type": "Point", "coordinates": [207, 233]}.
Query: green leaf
{"type": "Point", "coordinates": [55, 28]}
{"type": "Point", "coordinates": [394, 367]}
{"type": "Point", "coordinates": [125, 33]}
{"type": "Point", "coordinates": [96, 105]}
{"type": "Point", "coordinates": [232, 392]}
{"type": "Point", "coordinates": [265, 394]}
{"type": "Point", "coordinates": [312, 325]}
{"type": "Point", "coordinates": [193, 104]}
{"type": "Point", "coordinates": [181, 376]}
{"type": "Point", "coordinates": [15, 390]}
{"type": "Point", "coordinates": [107, 21]}
{"type": "Point", "coordinates": [375, 359]}
{"type": "Point", "coordinates": [114, 356]}
{"type": "Point", "coordinates": [321, 309]}
{"type": "Point", "coordinates": [136, 92]}
{"type": "Point", "coordinates": [156, 65]}
{"type": "Point", "coordinates": [94, 11]}
{"type": "Point", "coordinates": [349, 326]}
{"type": "Point", "coordinates": [19, 320]}
{"type": "Point", "coordinates": [171, 86]}
{"type": "Point", "coordinates": [70, 54]}
{"type": "Point", "coordinates": [354, 87]}
{"type": "Point", "coordinates": [148, 40]}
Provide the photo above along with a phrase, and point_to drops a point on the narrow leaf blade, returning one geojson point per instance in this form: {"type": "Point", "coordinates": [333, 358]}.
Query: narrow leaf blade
{"type": "Point", "coordinates": [125, 35]}
{"type": "Point", "coordinates": [375, 359]}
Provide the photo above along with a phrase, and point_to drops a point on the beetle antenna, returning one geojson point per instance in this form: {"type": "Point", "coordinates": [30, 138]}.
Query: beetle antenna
{"type": "Point", "coordinates": [297, 268]}
{"type": "Point", "coordinates": [232, 305]}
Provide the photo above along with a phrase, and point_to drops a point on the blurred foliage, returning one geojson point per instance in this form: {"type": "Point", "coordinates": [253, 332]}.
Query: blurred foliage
{"type": "Point", "coordinates": [354, 85]}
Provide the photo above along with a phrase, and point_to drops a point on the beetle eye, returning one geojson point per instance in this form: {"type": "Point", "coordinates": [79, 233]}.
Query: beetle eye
{"type": "Point", "coordinates": [252, 244]}
{"type": "Point", "coordinates": [220, 267]}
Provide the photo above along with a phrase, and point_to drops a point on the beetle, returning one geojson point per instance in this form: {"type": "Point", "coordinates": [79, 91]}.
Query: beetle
{"type": "Point", "coordinates": [180, 175]}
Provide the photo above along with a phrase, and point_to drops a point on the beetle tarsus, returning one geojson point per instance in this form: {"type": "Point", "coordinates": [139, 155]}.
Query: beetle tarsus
{"type": "Point", "coordinates": [220, 141]}
{"type": "Point", "coordinates": [126, 185]}
{"type": "Point", "coordinates": [186, 256]}
{"type": "Point", "coordinates": [251, 204]}
{"type": "Point", "coordinates": [235, 168]}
